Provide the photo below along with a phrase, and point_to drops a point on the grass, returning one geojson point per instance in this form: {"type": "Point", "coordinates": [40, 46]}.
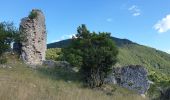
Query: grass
{"type": "Point", "coordinates": [23, 83]}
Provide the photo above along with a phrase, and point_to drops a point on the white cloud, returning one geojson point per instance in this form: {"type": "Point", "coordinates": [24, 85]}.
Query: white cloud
{"type": "Point", "coordinates": [109, 19]}
{"type": "Point", "coordinates": [136, 14]}
{"type": "Point", "coordinates": [135, 10]}
{"type": "Point", "coordinates": [132, 7]}
{"type": "Point", "coordinates": [163, 25]}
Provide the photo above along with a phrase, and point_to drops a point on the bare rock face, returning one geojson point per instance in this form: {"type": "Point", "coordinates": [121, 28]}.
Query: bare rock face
{"type": "Point", "coordinates": [33, 31]}
{"type": "Point", "coordinates": [133, 77]}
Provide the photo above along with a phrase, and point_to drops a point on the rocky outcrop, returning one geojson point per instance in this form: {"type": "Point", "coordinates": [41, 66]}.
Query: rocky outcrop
{"type": "Point", "coordinates": [33, 32]}
{"type": "Point", "coordinates": [133, 77]}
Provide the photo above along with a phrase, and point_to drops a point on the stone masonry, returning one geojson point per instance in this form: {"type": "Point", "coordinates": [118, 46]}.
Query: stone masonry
{"type": "Point", "coordinates": [33, 32]}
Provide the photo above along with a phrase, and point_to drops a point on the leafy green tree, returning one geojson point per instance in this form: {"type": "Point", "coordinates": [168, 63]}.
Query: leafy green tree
{"type": "Point", "coordinates": [95, 54]}
{"type": "Point", "coordinates": [8, 34]}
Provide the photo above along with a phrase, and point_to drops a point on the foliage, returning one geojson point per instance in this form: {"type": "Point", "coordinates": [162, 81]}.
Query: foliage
{"type": "Point", "coordinates": [93, 53]}
{"type": "Point", "coordinates": [33, 15]}
{"type": "Point", "coordinates": [8, 34]}
{"type": "Point", "coordinates": [53, 54]}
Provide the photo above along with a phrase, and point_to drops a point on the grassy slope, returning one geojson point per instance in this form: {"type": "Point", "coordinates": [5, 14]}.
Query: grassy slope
{"type": "Point", "coordinates": [22, 83]}
{"type": "Point", "coordinates": [155, 61]}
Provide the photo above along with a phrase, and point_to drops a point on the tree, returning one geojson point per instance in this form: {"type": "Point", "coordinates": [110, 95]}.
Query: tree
{"type": "Point", "coordinates": [95, 54]}
{"type": "Point", "coordinates": [8, 34]}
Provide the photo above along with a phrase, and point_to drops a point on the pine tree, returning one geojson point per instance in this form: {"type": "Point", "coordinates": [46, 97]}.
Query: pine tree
{"type": "Point", "coordinates": [93, 53]}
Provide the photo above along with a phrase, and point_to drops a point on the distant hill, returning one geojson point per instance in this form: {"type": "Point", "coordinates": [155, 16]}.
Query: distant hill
{"type": "Point", "coordinates": [64, 43]}
{"type": "Point", "coordinates": [60, 44]}
{"type": "Point", "coordinates": [157, 62]}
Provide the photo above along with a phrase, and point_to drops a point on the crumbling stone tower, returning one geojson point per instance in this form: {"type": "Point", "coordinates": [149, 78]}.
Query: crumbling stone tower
{"type": "Point", "coordinates": [33, 33]}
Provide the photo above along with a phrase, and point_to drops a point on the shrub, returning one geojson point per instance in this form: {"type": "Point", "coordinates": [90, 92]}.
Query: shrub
{"type": "Point", "coordinates": [3, 60]}
{"type": "Point", "coordinates": [95, 54]}
{"type": "Point", "coordinates": [53, 54]}
{"type": "Point", "coordinates": [8, 34]}
{"type": "Point", "coordinates": [33, 15]}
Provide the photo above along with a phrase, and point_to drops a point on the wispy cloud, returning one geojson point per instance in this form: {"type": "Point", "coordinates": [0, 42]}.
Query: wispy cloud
{"type": "Point", "coordinates": [163, 25]}
{"type": "Point", "coordinates": [134, 10]}
{"type": "Point", "coordinates": [109, 19]}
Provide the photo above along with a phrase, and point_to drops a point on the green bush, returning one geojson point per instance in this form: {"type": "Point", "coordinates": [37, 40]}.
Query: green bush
{"type": "Point", "coordinates": [8, 34]}
{"type": "Point", "coordinates": [53, 54]}
{"type": "Point", "coordinates": [3, 60]}
{"type": "Point", "coordinates": [95, 54]}
{"type": "Point", "coordinates": [33, 15]}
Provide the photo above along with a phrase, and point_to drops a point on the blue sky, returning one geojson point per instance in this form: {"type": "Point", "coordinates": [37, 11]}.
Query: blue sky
{"type": "Point", "coordinates": [143, 21]}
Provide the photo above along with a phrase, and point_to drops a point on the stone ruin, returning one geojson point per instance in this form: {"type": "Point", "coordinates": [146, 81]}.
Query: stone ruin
{"type": "Point", "coordinates": [33, 33]}
{"type": "Point", "coordinates": [132, 77]}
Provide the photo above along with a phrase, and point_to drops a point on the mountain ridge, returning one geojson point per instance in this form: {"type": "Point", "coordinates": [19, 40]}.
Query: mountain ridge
{"type": "Point", "coordinates": [64, 43]}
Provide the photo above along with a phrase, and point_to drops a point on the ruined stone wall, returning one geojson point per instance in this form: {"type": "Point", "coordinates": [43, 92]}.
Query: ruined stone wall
{"type": "Point", "coordinates": [33, 32]}
{"type": "Point", "coordinates": [132, 77]}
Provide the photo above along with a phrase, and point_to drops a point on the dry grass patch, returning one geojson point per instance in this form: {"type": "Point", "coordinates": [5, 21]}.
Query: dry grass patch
{"type": "Point", "coordinates": [22, 83]}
